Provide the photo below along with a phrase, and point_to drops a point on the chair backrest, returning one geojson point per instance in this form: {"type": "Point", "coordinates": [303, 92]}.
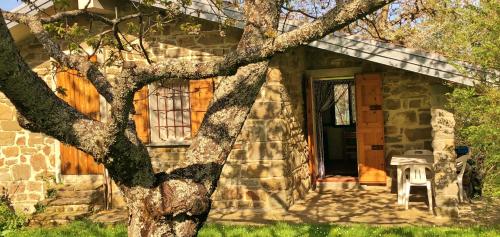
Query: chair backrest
{"type": "Point", "coordinates": [418, 152]}
{"type": "Point", "coordinates": [462, 163]}
{"type": "Point", "coordinates": [418, 174]}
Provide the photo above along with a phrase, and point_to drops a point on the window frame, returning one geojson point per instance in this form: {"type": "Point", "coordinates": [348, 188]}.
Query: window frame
{"type": "Point", "coordinates": [352, 122]}
{"type": "Point", "coordinates": [153, 128]}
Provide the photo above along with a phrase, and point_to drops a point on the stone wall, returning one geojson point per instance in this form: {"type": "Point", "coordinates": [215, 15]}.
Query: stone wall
{"type": "Point", "coordinates": [27, 160]}
{"type": "Point", "coordinates": [406, 102]}
{"type": "Point", "coordinates": [267, 169]}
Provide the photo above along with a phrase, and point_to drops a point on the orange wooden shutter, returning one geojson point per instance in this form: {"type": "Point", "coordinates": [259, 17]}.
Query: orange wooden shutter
{"type": "Point", "coordinates": [370, 129]}
{"type": "Point", "coordinates": [141, 116]}
{"type": "Point", "coordinates": [201, 93]}
{"type": "Point", "coordinates": [82, 95]}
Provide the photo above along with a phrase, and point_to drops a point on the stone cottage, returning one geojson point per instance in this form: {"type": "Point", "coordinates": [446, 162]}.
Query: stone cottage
{"type": "Point", "coordinates": [334, 110]}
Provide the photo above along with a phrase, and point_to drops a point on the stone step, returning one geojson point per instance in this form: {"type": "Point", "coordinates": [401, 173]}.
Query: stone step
{"type": "Point", "coordinates": [79, 193]}
{"type": "Point", "coordinates": [78, 187]}
{"type": "Point", "coordinates": [69, 201]}
{"type": "Point", "coordinates": [52, 218]}
{"type": "Point", "coordinates": [72, 208]}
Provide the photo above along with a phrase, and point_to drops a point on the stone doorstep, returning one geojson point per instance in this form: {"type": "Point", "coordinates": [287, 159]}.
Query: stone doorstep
{"type": "Point", "coordinates": [344, 186]}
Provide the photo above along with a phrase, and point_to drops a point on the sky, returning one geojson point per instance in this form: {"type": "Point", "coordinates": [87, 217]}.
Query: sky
{"type": "Point", "coordinates": [9, 4]}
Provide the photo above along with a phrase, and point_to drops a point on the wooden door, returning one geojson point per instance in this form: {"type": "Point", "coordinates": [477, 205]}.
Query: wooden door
{"type": "Point", "coordinates": [81, 94]}
{"type": "Point", "coordinates": [310, 132]}
{"type": "Point", "coordinates": [370, 129]}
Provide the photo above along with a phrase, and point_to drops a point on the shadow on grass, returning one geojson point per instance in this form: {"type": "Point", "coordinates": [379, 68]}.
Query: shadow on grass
{"type": "Point", "coordinates": [277, 229]}
{"type": "Point", "coordinates": [77, 228]}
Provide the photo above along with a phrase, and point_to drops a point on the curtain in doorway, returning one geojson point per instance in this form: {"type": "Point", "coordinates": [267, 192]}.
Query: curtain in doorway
{"type": "Point", "coordinates": [324, 100]}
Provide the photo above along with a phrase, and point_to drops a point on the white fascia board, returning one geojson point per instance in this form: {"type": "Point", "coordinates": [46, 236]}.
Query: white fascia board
{"type": "Point", "coordinates": [23, 8]}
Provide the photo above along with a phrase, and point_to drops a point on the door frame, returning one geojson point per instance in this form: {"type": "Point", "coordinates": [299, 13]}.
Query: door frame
{"type": "Point", "coordinates": [310, 77]}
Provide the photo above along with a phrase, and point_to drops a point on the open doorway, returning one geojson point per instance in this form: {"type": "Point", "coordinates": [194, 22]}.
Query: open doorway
{"type": "Point", "coordinates": [339, 130]}
{"type": "Point", "coordinates": [345, 126]}
{"type": "Point", "coordinates": [335, 121]}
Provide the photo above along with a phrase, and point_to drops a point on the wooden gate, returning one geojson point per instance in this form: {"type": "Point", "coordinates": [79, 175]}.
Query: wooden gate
{"type": "Point", "coordinates": [80, 94]}
{"type": "Point", "coordinates": [370, 129]}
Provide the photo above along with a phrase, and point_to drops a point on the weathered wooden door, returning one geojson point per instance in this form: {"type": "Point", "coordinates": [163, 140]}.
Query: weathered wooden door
{"type": "Point", "coordinates": [370, 129]}
{"type": "Point", "coordinates": [81, 94]}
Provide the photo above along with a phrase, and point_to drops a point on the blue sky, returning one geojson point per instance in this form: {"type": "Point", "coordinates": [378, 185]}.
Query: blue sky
{"type": "Point", "coordinates": [9, 4]}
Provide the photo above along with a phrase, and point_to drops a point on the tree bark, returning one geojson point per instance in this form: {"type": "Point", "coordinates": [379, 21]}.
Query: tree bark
{"type": "Point", "coordinates": [175, 203]}
{"type": "Point", "coordinates": [196, 179]}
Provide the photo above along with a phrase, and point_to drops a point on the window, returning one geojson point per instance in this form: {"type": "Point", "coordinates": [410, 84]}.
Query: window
{"type": "Point", "coordinates": [345, 105]}
{"type": "Point", "coordinates": [170, 113]}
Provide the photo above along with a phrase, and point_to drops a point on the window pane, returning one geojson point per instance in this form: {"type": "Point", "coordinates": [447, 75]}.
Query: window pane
{"type": "Point", "coordinates": [341, 104]}
{"type": "Point", "coordinates": [171, 113]}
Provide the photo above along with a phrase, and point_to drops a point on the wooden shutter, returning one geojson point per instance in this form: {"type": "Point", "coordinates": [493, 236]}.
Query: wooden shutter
{"type": "Point", "coordinates": [141, 116]}
{"type": "Point", "coordinates": [370, 129]}
{"type": "Point", "coordinates": [201, 93]}
{"type": "Point", "coordinates": [82, 95]}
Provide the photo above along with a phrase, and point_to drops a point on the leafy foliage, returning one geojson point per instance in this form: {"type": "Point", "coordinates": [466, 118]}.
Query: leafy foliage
{"type": "Point", "coordinates": [469, 32]}
{"type": "Point", "coordinates": [9, 220]}
{"type": "Point", "coordinates": [478, 121]}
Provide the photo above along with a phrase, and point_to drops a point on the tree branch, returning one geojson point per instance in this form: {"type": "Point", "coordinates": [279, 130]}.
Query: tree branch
{"type": "Point", "coordinates": [335, 19]}
{"type": "Point", "coordinates": [82, 64]}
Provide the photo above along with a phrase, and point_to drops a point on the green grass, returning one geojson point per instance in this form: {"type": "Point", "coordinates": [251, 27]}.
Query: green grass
{"type": "Point", "coordinates": [88, 229]}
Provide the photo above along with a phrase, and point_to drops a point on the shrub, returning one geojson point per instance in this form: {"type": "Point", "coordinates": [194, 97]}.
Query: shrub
{"type": "Point", "coordinates": [9, 220]}
{"type": "Point", "coordinates": [477, 113]}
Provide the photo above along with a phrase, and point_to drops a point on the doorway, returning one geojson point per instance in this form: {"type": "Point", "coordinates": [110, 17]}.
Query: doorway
{"type": "Point", "coordinates": [336, 126]}
{"type": "Point", "coordinates": [346, 128]}
{"type": "Point", "coordinates": [339, 131]}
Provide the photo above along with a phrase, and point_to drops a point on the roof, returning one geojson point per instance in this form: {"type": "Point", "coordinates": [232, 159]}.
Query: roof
{"type": "Point", "coordinates": [412, 60]}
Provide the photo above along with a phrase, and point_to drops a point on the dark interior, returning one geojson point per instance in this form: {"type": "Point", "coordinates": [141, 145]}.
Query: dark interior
{"type": "Point", "coordinates": [339, 133]}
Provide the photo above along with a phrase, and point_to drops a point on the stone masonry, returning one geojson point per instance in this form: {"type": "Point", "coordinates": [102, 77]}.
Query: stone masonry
{"type": "Point", "coordinates": [267, 169]}
{"type": "Point", "coordinates": [406, 102]}
{"type": "Point", "coordinates": [28, 160]}
{"type": "Point", "coordinates": [443, 143]}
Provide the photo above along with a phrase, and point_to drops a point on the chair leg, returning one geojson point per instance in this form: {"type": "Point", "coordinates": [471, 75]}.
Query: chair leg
{"type": "Point", "coordinates": [429, 195]}
{"type": "Point", "coordinates": [460, 190]}
{"type": "Point", "coordinates": [407, 195]}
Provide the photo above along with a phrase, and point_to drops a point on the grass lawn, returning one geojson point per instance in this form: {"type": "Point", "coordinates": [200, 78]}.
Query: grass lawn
{"type": "Point", "coordinates": [87, 229]}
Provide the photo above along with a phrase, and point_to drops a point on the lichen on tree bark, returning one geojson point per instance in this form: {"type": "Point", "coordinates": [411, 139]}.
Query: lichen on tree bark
{"type": "Point", "coordinates": [176, 203]}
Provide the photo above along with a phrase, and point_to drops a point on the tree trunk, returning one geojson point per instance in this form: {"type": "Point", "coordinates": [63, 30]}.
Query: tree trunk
{"type": "Point", "coordinates": [175, 203]}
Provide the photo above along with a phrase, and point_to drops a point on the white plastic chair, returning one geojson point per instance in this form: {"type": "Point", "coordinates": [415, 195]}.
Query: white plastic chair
{"type": "Point", "coordinates": [406, 168]}
{"type": "Point", "coordinates": [461, 165]}
{"type": "Point", "coordinates": [418, 177]}
{"type": "Point", "coordinates": [418, 152]}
